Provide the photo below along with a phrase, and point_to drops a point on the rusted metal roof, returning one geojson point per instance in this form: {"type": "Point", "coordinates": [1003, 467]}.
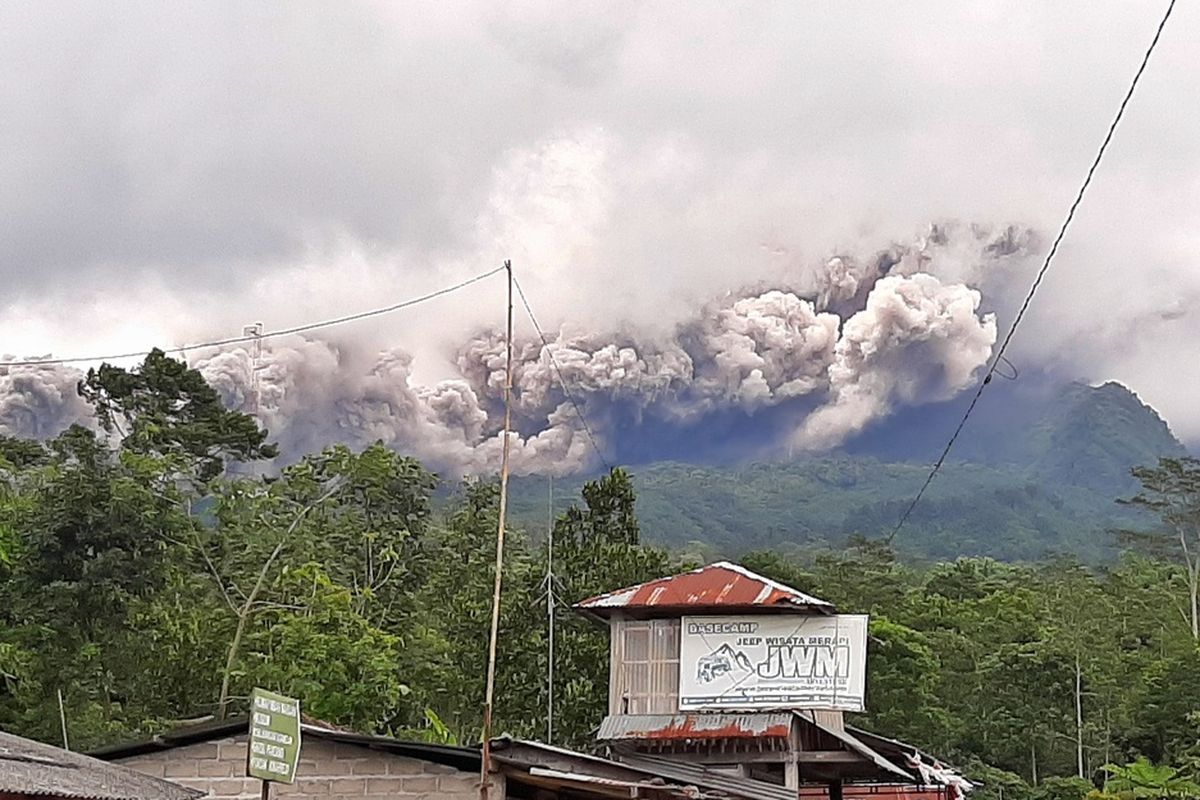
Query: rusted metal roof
{"type": "Point", "coordinates": [875, 791]}
{"type": "Point", "coordinates": [674, 727]}
{"type": "Point", "coordinates": [715, 780]}
{"type": "Point", "coordinates": [650, 776]}
{"type": "Point", "coordinates": [693, 727]}
{"type": "Point", "coordinates": [722, 586]}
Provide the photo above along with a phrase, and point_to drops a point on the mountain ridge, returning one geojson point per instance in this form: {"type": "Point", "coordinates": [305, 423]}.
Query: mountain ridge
{"type": "Point", "coordinates": [1039, 473]}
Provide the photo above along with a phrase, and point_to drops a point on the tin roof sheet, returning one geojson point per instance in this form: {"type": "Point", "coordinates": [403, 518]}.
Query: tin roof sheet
{"type": "Point", "coordinates": [674, 727]}
{"type": "Point", "coordinates": [698, 775]}
{"type": "Point", "coordinates": [721, 585]}
{"type": "Point", "coordinates": [32, 768]}
{"type": "Point", "coordinates": [661, 775]}
{"type": "Point", "coordinates": [462, 758]}
{"type": "Point", "coordinates": [648, 787]}
{"type": "Point", "coordinates": [858, 746]}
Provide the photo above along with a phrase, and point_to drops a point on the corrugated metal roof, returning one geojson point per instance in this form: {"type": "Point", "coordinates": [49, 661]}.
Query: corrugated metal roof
{"type": "Point", "coordinates": [897, 747]}
{"type": "Point", "coordinates": [719, 586]}
{"type": "Point", "coordinates": [32, 768]}
{"type": "Point", "coordinates": [855, 744]}
{"type": "Point", "coordinates": [674, 727]}
{"type": "Point", "coordinates": [695, 775]}
{"type": "Point", "coordinates": [651, 787]}
{"type": "Point", "coordinates": [707, 781]}
{"type": "Point", "coordinates": [463, 758]}
{"type": "Point", "coordinates": [875, 791]}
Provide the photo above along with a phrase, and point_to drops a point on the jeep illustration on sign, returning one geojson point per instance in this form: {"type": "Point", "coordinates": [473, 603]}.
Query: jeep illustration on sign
{"type": "Point", "coordinates": [722, 661]}
{"type": "Point", "coordinates": [773, 662]}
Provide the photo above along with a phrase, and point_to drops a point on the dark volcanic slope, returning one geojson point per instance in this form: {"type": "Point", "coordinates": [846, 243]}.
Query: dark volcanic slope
{"type": "Point", "coordinates": [1038, 473]}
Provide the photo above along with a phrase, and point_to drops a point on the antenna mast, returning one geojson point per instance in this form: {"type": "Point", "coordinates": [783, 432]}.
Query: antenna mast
{"type": "Point", "coordinates": [255, 330]}
{"type": "Point", "coordinates": [253, 399]}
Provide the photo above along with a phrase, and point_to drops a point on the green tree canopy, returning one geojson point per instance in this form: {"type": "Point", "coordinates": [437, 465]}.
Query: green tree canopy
{"type": "Point", "coordinates": [163, 407]}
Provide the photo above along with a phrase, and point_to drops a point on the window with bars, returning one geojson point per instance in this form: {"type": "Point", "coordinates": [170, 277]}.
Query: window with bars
{"type": "Point", "coordinates": [649, 667]}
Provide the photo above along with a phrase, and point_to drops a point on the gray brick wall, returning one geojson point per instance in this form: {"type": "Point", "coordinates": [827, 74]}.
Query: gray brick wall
{"type": "Point", "coordinates": [327, 770]}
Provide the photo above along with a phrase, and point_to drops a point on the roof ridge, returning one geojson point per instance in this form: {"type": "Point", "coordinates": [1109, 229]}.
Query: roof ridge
{"type": "Point", "coordinates": [783, 587]}
{"type": "Point", "coordinates": [770, 593]}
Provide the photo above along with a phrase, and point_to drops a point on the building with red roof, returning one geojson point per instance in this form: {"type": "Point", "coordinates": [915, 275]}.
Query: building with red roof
{"type": "Point", "coordinates": [797, 740]}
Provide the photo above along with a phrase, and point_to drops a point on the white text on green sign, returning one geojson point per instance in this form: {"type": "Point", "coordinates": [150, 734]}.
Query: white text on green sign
{"type": "Point", "coordinates": [274, 736]}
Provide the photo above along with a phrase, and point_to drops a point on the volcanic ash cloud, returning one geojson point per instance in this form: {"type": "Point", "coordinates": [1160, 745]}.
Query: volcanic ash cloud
{"type": "Point", "coordinates": [842, 343]}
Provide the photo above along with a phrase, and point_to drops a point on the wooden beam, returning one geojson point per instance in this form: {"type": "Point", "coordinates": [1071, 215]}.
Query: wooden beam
{"type": "Point", "coordinates": [791, 766]}
{"type": "Point", "coordinates": [558, 785]}
{"type": "Point", "coordinates": [829, 757]}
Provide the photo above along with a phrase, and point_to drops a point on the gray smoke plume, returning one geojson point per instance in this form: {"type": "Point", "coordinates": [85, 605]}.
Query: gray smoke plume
{"type": "Point", "coordinates": [845, 342]}
{"type": "Point", "coordinates": [38, 401]}
{"type": "Point", "coordinates": [917, 340]}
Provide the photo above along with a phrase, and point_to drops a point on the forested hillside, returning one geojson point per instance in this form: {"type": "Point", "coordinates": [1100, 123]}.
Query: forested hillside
{"type": "Point", "coordinates": [1037, 474]}
{"type": "Point", "coordinates": [341, 581]}
{"type": "Point", "coordinates": [1002, 512]}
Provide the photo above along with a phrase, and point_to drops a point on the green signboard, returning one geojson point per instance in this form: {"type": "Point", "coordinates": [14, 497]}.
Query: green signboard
{"type": "Point", "coordinates": [274, 737]}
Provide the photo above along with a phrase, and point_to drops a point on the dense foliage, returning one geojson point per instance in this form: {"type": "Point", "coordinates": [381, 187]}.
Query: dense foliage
{"type": "Point", "coordinates": [1000, 512]}
{"type": "Point", "coordinates": [151, 577]}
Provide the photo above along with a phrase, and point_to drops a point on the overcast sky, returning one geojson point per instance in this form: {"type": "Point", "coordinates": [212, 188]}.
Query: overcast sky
{"type": "Point", "coordinates": [169, 172]}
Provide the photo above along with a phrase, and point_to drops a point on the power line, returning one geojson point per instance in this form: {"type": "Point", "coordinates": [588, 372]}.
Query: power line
{"type": "Point", "coordinates": [987, 378]}
{"type": "Point", "coordinates": [311, 326]}
{"type": "Point", "coordinates": [558, 373]}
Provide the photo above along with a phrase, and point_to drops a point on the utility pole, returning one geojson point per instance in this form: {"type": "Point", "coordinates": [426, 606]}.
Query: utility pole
{"type": "Point", "coordinates": [551, 602]}
{"type": "Point", "coordinates": [489, 696]}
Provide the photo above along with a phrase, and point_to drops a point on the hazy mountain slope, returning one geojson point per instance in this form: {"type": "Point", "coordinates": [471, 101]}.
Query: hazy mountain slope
{"type": "Point", "coordinates": [1095, 435]}
{"type": "Point", "coordinates": [1047, 484]}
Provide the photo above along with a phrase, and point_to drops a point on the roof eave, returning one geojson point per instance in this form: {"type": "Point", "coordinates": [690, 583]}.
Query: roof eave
{"type": "Point", "coordinates": [465, 758]}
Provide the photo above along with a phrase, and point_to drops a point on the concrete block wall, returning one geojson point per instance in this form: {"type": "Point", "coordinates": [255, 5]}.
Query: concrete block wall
{"type": "Point", "coordinates": [327, 771]}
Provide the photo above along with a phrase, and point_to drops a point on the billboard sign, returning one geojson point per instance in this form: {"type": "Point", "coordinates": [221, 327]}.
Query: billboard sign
{"type": "Point", "coordinates": [773, 662]}
{"type": "Point", "coordinates": [274, 737]}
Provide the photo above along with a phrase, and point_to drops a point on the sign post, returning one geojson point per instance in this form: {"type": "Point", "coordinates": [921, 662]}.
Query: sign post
{"type": "Point", "coordinates": [274, 748]}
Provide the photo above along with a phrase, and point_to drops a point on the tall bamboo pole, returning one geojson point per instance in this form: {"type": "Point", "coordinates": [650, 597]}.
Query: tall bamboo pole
{"type": "Point", "coordinates": [489, 696]}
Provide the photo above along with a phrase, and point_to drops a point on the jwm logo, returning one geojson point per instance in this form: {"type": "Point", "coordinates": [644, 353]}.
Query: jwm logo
{"type": "Point", "coordinates": [805, 661]}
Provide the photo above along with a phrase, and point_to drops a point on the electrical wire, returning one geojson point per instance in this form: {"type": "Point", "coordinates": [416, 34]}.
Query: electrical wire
{"type": "Point", "coordinates": [311, 326]}
{"type": "Point", "coordinates": [1040, 274]}
{"type": "Point", "coordinates": [558, 373]}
